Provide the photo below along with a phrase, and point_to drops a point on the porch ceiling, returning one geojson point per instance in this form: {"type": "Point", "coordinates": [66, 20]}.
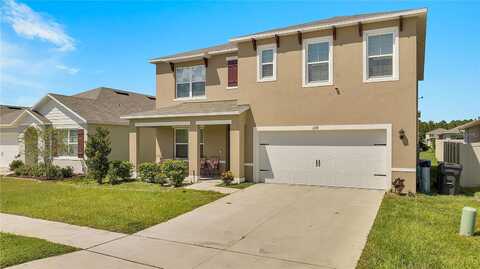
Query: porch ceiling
{"type": "Point", "coordinates": [187, 109]}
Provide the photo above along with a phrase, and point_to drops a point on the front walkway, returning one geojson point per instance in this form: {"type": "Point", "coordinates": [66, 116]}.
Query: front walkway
{"type": "Point", "coordinates": [263, 226]}
{"type": "Point", "coordinates": [57, 232]}
{"type": "Point", "coordinates": [211, 185]}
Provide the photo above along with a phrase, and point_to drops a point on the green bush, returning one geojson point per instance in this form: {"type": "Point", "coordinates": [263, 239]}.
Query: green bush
{"type": "Point", "coordinates": [97, 150]}
{"type": "Point", "coordinates": [175, 171]}
{"type": "Point", "coordinates": [40, 170]}
{"type": "Point", "coordinates": [149, 172]}
{"type": "Point", "coordinates": [52, 171]}
{"type": "Point", "coordinates": [15, 164]}
{"type": "Point", "coordinates": [66, 171]}
{"type": "Point", "coordinates": [119, 171]}
{"type": "Point", "coordinates": [21, 170]}
{"type": "Point", "coordinates": [227, 177]}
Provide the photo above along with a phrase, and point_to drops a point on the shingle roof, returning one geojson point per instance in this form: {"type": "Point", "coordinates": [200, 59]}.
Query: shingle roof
{"type": "Point", "coordinates": [229, 107]}
{"type": "Point", "coordinates": [221, 47]}
{"type": "Point", "coordinates": [293, 28]}
{"type": "Point", "coordinates": [106, 105]}
{"type": "Point", "coordinates": [469, 124]}
{"type": "Point", "coordinates": [8, 114]}
{"type": "Point", "coordinates": [437, 131]}
{"type": "Point", "coordinates": [328, 21]}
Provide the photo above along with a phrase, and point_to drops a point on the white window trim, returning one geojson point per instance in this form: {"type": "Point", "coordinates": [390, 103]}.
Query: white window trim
{"type": "Point", "coordinates": [260, 49]}
{"type": "Point", "coordinates": [190, 97]}
{"type": "Point", "coordinates": [67, 145]}
{"type": "Point", "coordinates": [307, 42]}
{"type": "Point", "coordinates": [175, 143]}
{"type": "Point", "coordinates": [229, 58]}
{"type": "Point", "coordinates": [395, 58]}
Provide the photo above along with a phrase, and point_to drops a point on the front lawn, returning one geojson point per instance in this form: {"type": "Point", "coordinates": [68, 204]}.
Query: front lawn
{"type": "Point", "coordinates": [241, 186]}
{"type": "Point", "coordinates": [421, 232]}
{"type": "Point", "coordinates": [15, 249]}
{"type": "Point", "coordinates": [125, 208]}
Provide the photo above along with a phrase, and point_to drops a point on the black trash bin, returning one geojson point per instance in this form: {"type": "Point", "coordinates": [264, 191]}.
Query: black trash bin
{"type": "Point", "coordinates": [448, 178]}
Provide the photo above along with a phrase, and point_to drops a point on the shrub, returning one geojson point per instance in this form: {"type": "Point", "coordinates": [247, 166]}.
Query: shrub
{"type": "Point", "coordinates": [227, 177]}
{"type": "Point", "coordinates": [97, 150]}
{"type": "Point", "coordinates": [119, 171]}
{"type": "Point", "coordinates": [66, 171]}
{"type": "Point", "coordinates": [39, 170]}
{"type": "Point", "coordinates": [21, 170]}
{"type": "Point", "coordinates": [15, 164]}
{"type": "Point", "coordinates": [52, 171]}
{"type": "Point", "coordinates": [149, 171]}
{"type": "Point", "coordinates": [175, 171]}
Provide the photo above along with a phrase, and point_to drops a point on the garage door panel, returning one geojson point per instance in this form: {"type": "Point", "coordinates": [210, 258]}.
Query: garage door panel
{"type": "Point", "coordinates": [297, 158]}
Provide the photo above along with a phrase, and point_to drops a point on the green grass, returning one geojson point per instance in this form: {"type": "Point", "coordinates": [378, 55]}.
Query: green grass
{"type": "Point", "coordinates": [242, 185]}
{"type": "Point", "coordinates": [15, 249]}
{"type": "Point", "coordinates": [421, 232]}
{"type": "Point", "coordinates": [126, 208]}
{"type": "Point", "coordinates": [429, 155]}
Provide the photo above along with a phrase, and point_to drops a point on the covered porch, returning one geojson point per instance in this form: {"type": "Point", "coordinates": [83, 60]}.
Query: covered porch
{"type": "Point", "coordinates": [208, 135]}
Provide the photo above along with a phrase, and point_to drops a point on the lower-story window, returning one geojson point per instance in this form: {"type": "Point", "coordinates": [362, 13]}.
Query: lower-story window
{"type": "Point", "coordinates": [181, 143]}
{"type": "Point", "coordinates": [70, 143]}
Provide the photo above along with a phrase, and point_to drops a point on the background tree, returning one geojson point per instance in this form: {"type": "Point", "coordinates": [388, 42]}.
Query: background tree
{"type": "Point", "coordinates": [97, 150]}
{"type": "Point", "coordinates": [42, 143]}
{"type": "Point", "coordinates": [427, 126]}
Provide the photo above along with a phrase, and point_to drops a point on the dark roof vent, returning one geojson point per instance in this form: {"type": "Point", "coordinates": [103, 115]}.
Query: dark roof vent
{"type": "Point", "coordinates": [122, 93]}
{"type": "Point", "coordinates": [14, 107]}
{"type": "Point", "coordinates": [152, 98]}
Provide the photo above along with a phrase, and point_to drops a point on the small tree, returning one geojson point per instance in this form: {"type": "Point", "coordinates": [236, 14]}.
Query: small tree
{"type": "Point", "coordinates": [97, 150]}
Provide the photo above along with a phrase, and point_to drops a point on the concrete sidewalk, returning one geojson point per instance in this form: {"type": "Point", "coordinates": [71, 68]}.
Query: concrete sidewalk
{"type": "Point", "coordinates": [57, 232]}
{"type": "Point", "coordinates": [211, 185]}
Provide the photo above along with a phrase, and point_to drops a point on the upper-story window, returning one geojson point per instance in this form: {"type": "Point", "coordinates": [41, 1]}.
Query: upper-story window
{"type": "Point", "coordinates": [232, 65]}
{"type": "Point", "coordinates": [190, 82]}
{"type": "Point", "coordinates": [317, 62]}
{"type": "Point", "coordinates": [267, 62]}
{"type": "Point", "coordinates": [380, 54]}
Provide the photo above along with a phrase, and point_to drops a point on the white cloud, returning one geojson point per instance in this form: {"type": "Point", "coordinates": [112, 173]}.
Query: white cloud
{"type": "Point", "coordinates": [69, 70]}
{"type": "Point", "coordinates": [30, 24]}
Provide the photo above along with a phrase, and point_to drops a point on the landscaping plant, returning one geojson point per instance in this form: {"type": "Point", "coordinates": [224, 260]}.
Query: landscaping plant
{"type": "Point", "coordinates": [97, 150]}
{"type": "Point", "coordinates": [150, 172]}
{"type": "Point", "coordinates": [227, 177]}
{"type": "Point", "coordinates": [175, 171]}
{"type": "Point", "coordinates": [15, 164]}
{"type": "Point", "coordinates": [119, 171]}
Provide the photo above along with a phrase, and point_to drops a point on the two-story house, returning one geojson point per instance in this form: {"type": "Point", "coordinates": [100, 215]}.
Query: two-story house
{"type": "Point", "coordinates": [331, 102]}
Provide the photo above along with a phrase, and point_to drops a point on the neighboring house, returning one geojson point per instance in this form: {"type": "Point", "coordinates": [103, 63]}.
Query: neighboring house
{"type": "Point", "coordinates": [331, 102]}
{"type": "Point", "coordinates": [433, 135]}
{"type": "Point", "coordinates": [467, 153]}
{"type": "Point", "coordinates": [8, 134]}
{"type": "Point", "coordinates": [451, 134]}
{"type": "Point", "coordinates": [79, 115]}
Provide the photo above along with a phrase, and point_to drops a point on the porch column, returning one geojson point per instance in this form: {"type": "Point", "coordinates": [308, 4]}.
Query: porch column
{"type": "Point", "coordinates": [193, 152]}
{"type": "Point", "coordinates": [237, 149]}
{"type": "Point", "coordinates": [133, 147]}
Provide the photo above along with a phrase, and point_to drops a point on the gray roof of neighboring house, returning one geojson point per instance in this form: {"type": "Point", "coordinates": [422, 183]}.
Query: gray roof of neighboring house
{"type": "Point", "coordinates": [106, 105]}
{"type": "Point", "coordinates": [437, 131]}
{"type": "Point", "coordinates": [229, 107]}
{"type": "Point", "coordinates": [455, 130]}
{"type": "Point", "coordinates": [8, 114]}
{"type": "Point", "coordinates": [469, 125]}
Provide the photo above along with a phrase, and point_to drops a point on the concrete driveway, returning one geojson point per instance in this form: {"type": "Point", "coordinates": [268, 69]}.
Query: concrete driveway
{"type": "Point", "coordinates": [263, 226]}
{"type": "Point", "coordinates": [266, 225]}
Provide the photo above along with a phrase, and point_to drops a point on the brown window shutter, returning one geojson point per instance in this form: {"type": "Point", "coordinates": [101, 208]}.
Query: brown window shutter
{"type": "Point", "coordinates": [81, 143]}
{"type": "Point", "coordinates": [232, 73]}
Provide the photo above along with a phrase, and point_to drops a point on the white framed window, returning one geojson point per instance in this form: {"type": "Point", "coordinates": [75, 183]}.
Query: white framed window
{"type": "Point", "coordinates": [317, 61]}
{"type": "Point", "coordinates": [190, 82]}
{"type": "Point", "coordinates": [380, 55]}
{"type": "Point", "coordinates": [70, 143]}
{"type": "Point", "coordinates": [181, 143]}
{"type": "Point", "coordinates": [266, 63]}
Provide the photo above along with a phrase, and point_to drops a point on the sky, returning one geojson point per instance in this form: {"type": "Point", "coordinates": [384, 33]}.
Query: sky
{"type": "Point", "coordinates": [67, 47]}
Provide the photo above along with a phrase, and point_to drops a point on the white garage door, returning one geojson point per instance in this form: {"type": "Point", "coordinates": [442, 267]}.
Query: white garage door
{"type": "Point", "coordinates": [8, 148]}
{"type": "Point", "coordinates": [329, 158]}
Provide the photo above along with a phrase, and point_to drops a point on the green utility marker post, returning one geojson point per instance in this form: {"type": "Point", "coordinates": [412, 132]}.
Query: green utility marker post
{"type": "Point", "coordinates": [467, 224]}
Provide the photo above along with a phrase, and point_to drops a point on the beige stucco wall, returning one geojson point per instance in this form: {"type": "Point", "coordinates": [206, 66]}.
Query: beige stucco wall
{"type": "Point", "coordinates": [472, 134]}
{"type": "Point", "coordinates": [470, 160]}
{"type": "Point", "coordinates": [348, 101]}
{"type": "Point", "coordinates": [119, 142]}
